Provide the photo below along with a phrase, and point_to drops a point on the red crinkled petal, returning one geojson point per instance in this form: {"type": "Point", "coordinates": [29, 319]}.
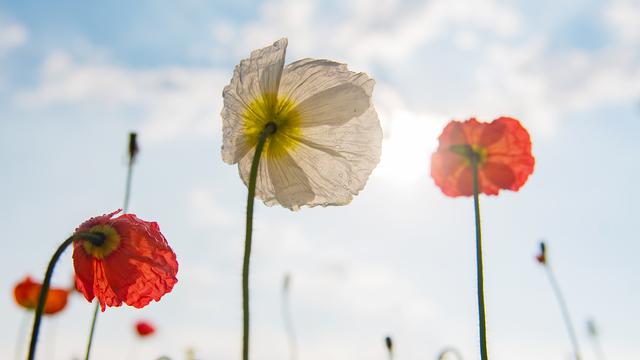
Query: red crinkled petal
{"type": "Point", "coordinates": [102, 219]}
{"type": "Point", "coordinates": [153, 260]}
{"type": "Point", "coordinates": [141, 269]}
{"type": "Point", "coordinates": [508, 161]}
{"type": "Point", "coordinates": [446, 169]}
{"type": "Point", "coordinates": [83, 266]}
{"type": "Point", "coordinates": [497, 175]}
{"type": "Point", "coordinates": [103, 289]}
{"type": "Point", "coordinates": [512, 150]}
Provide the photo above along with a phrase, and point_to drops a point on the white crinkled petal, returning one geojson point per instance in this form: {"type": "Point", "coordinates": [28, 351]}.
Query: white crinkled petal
{"type": "Point", "coordinates": [264, 185]}
{"type": "Point", "coordinates": [259, 74]}
{"type": "Point", "coordinates": [340, 140]}
{"type": "Point", "coordinates": [307, 77]}
{"type": "Point", "coordinates": [338, 160]}
{"type": "Point", "coordinates": [334, 106]}
{"type": "Point", "coordinates": [291, 184]}
{"type": "Point", "coordinates": [329, 166]}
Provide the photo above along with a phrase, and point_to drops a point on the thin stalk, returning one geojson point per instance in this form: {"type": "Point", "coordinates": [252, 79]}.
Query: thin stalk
{"type": "Point", "coordinates": [133, 151]}
{"type": "Point", "coordinates": [287, 318]}
{"type": "Point", "coordinates": [92, 329]}
{"type": "Point", "coordinates": [595, 341]}
{"type": "Point", "coordinates": [388, 342]}
{"type": "Point", "coordinates": [481, 313]}
{"type": "Point", "coordinates": [597, 348]}
{"type": "Point", "coordinates": [269, 129]}
{"type": "Point", "coordinates": [564, 310]}
{"type": "Point", "coordinates": [44, 291]}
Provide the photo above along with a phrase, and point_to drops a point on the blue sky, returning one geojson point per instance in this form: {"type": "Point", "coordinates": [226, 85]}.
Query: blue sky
{"type": "Point", "coordinates": [76, 78]}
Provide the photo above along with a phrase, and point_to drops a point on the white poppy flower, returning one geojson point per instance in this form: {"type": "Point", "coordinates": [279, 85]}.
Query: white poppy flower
{"type": "Point", "coordinates": [328, 135]}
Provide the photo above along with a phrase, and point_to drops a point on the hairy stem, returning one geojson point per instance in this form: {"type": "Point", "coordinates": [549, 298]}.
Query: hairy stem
{"type": "Point", "coordinates": [44, 291]}
{"type": "Point", "coordinates": [269, 129]}
{"type": "Point", "coordinates": [480, 274]}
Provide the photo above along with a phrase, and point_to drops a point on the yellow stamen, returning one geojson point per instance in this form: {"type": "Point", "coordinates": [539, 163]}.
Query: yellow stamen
{"type": "Point", "coordinates": [111, 242]}
{"type": "Point", "coordinates": [282, 112]}
{"type": "Point", "coordinates": [482, 153]}
{"type": "Point", "coordinates": [467, 151]}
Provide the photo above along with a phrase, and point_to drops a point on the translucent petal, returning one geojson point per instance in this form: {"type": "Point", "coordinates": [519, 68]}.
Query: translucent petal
{"type": "Point", "coordinates": [334, 106]}
{"type": "Point", "coordinates": [291, 185]}
{"type": "Point", "coordinates": [264, 186]}
{"type": "Point", "coordinates": [337, 145]}
{"type": "Point", "coordinates": [259, 74]}
{"type": "Point", "coordinates": [338, 160]}
{"type": "Point", "coordinates": [307, 77]}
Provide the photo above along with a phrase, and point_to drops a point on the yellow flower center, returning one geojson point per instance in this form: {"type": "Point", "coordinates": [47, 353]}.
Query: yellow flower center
{"type": "Point", "coordinates": [481, 153]}
{"type": "Point", "coordinates": [110, 244]}
{"type": "Point", "coordinates": [467, 151]}
{"type": "Point", "coordinates": [283, 113]}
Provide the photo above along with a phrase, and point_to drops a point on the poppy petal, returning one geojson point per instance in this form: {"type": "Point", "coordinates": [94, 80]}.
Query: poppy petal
{"type": "Point", "coordinates": [499, 174]}
{"type": "Point", "coordinates": [141, 268]}
{"type": "Point", "coordinates": [259, 74]}
{"type": "Point", "coordinates": [504, 150]}
{"type": "Point", "coordinates": [305, 78]}
{"type": "Point", "coordinates": [334, 106]}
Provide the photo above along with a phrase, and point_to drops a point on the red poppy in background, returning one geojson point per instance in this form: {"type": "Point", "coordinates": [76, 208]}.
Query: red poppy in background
{"type": "Point", "coordinates": [27, 291]}
{"type": "Point", "coordinates": [144, 328]}
{"type": "Point", "coordinates": [503, 149]}
{"type": "Point", "coordinates": [134, 264]}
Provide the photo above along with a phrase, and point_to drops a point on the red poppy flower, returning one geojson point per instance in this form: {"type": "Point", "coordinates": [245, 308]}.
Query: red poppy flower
{"type": "Point", "coordinates": [27, 292]}
{"type": "Point", "coordinates": [144, 328]}
{"type": "Point", "coordinates": [134, 264]}
{"type": "Point", "coordinates": [503, 149]}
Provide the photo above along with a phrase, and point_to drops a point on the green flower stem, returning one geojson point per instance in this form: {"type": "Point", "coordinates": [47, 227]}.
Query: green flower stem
{"type": "Point", "coordinates": [476, 205]}
{"type": "Point", "coordinates": [565, 311]}
{"type": "Point", "coordinates": [388, 342]}
{"type": "Point", "coordinates": [597, 348]}
{"type": "Point", "coordinates": [133, 150]}
{"type": "Point", "coordinates": [269, 129]}
{"type": "Point", "coordinates": [92, 329]}
{"type": "Point", "coordinates": [44, 291]}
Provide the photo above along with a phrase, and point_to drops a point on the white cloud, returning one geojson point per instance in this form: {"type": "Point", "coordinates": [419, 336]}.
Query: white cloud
{"type": "Point", "coordinates": [12, 35]}
{"type": "Point", "coordinates": [527, 80]}
{"type": "Point", "coordinates": [622, 16]}
{"type": "Point", "coordinates": [387, 33]}
{"type": "Point", "coordinates": [174, 101]}
{"type": "Point", "coordinates": [207, 210]}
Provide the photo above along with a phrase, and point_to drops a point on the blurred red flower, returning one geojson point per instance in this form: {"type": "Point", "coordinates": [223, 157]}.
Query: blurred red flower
{"type": "Point", "coordinates": [542, 255]}
{"type": "Point", "coordinates": [27, 291]}
{"type": "Point", "coordinates": [144, 328]}
{"type": "Point", "coordinates": [134, 264]}
{"type": "Point", "coordinates": [503, 149]}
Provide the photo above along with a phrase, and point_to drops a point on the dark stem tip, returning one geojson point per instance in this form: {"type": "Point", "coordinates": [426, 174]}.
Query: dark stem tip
{"type": "Point", "coordinates": [389, 343]}
{"type": "Point", "coordinates": [133, 146]}
{"type": "Point", "coordinates": [95, 238]}
{"type": "Point", "coordinates": [270, 128]}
